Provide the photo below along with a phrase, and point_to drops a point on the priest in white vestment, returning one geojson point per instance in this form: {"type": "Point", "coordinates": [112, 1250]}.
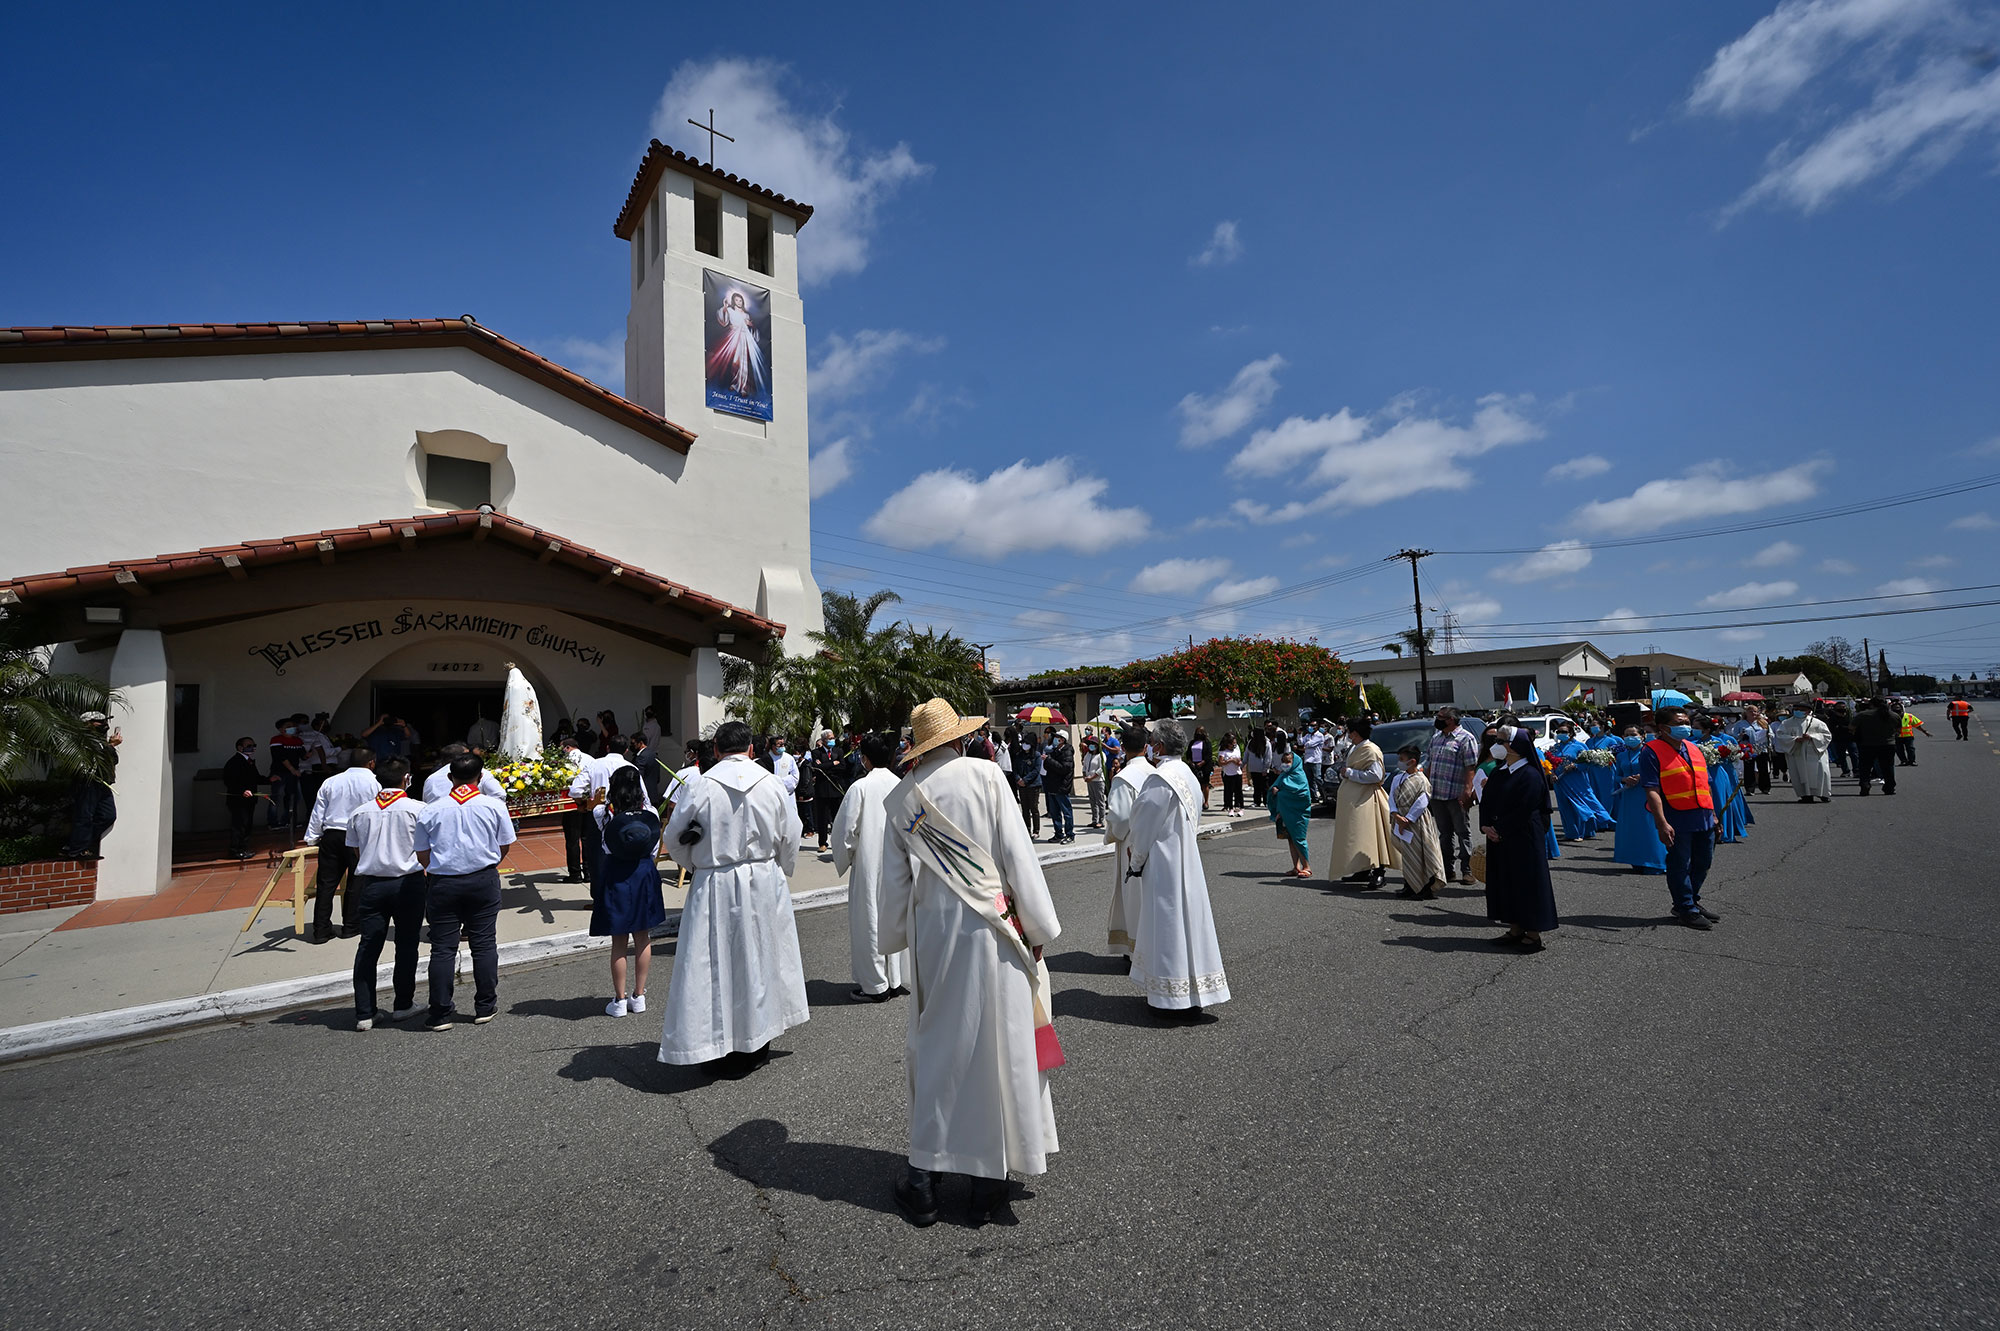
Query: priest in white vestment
{"type": "Point", "coordinates": [962, 889]}
{"type": "Point", "coordinates": [1176, 960]}
{"type": "Point", "coordinates": [738, 982]}
{"type": "Point", "coordinates": [857, 852]}
{"type": "Point", "coordinates": [1805, 739]}
{"type": "Point", "coordinates": [1120, 928]}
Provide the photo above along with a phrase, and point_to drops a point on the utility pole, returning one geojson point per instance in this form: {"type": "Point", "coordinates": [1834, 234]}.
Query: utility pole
{"type": "Point", "coordinates": [1423, 650]}
{"type": "Point", "coordinates": [1868, 664]}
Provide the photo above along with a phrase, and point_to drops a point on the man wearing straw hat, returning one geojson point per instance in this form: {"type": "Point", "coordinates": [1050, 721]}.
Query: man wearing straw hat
{"type": "Point", "coordinates": [962, 889]}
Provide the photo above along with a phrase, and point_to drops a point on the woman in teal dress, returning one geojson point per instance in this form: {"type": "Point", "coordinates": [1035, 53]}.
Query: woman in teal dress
{"type": "Point", "coordinates": [1604, 780]}
{"type": "Point", "coordinates": [1290, 802]}
{"type": "Point", "coordinates": [1732, 810]}
{"type": "Point", "coordinates": [1583, 817]}
{"type": "Point", "coordinates": [1638, 843]}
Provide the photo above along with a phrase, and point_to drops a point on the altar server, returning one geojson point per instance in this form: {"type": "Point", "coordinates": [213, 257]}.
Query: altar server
{"type": "Point", "coordinates": [857, 851]}
{"type": "Point", "coordinates": [1176, 961]}
{"type": "Point", "coordinates": [1125, 786]}
{"type": "Point", "coordinates": [438, 784]}
{"type": "Point", "coordinates": [738, 982]}
{"type": "Point", "coordinates": [461, 841]}
{"type": "Point", "coordinates": [388, 888]}
{"type": "Point", "coordinates": [962, 889]}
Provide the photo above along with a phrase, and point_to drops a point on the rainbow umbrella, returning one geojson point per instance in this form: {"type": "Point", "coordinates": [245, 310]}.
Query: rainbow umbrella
{"type": "Point", "coordinates": [1042, 716]}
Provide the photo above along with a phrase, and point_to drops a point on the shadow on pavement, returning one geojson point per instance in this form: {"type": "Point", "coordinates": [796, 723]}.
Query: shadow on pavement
{"type": "Point", "coordinates": [562, 1009]}
{"type": "Point", "coordinates": [1119, 1010]}
{"type": "Point", "coordinates": [638, 1067]}
{"type": "Point", "coordinates": [1445, 917]}
{"type": "Point", "coordinates": [1618, 921]}
{"type": "Point", "coordinates": [762, 1153]}
{"type": "Point", "coordinates": [837, 993]}
{"type": "Point", "coordinates": [1087, 963]}
{"type": "Point", "coordinates": [1454, 944]}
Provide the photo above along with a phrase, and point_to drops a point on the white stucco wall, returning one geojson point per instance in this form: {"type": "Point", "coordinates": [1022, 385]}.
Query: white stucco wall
{"type": "Point", "coordinates": [124, 459]}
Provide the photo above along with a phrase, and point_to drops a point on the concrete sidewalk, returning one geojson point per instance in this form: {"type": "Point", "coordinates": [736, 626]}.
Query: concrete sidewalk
{"type": "Point", "coordinates": [64, 988]}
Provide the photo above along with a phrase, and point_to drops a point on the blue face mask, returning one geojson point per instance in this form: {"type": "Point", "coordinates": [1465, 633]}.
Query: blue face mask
{"type": "Point", "coordinates": [1597, 732]}
{"type": "Point", "coordinates": [1682, 732]}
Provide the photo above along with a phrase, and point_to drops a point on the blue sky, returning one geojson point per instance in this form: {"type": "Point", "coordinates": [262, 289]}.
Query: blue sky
{"type": "Point", "coordinates": [1124, 321]}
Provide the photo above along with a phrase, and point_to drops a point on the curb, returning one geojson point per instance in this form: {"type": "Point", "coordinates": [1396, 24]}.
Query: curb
{"type": "Point", "coordinates": [69, 1033]}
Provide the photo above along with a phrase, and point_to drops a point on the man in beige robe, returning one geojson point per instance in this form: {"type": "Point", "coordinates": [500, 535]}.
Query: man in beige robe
{"type": "Point", "coordinates": [979, 1097]}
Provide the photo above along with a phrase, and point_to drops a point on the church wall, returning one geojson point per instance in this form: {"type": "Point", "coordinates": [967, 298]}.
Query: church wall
{"type": "Point", "coordinates": [125, 459]}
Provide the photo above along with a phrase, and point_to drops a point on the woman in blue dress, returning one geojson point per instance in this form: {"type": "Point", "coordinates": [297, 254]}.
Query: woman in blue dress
{"type": "Point", "coordinates": [1583, 817]}
{"type": "Point", "coordinates": [1732, 810]}
{"type": "Point", "coordinates": [627, 900]}
{"type": "Point", "coordinates": [1638, 842]}
{"type": "Point", "coordinates": [1290, 801]}
{"type": "Point", "coordinates": [1604, 780]}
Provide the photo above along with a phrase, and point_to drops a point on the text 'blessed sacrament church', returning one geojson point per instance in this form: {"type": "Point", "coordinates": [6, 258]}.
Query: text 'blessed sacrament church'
{"type": "Point", "coordinates": [234, 522]}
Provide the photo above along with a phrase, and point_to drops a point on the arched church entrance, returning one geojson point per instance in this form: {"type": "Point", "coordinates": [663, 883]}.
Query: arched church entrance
{"type": "Point", "coordinates": [442, 687]}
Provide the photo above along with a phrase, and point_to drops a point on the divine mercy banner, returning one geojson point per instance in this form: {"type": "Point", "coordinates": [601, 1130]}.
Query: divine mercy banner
{"type": "Point", "coordinates": [739, 345]}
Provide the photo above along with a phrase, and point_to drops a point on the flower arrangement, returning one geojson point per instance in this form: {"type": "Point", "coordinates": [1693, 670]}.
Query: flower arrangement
{"type": "Point", "coordinates": [536, 785]}
{"type": "Point", "coordinates": [1596, 758]}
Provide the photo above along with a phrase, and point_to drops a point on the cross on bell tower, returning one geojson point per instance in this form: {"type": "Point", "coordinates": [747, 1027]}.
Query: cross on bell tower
{"type": "Point", "coordinates": [713, 134]}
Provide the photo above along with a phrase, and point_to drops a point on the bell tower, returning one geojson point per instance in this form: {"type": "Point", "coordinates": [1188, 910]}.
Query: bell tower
{"type": "Point", "coordinates": [716, 342]}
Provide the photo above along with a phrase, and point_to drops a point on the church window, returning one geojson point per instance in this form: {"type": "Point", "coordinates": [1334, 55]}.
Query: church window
{"type": "Point", "coordinates": [708, 223]}
{"type": "Point", "coordinates": [760, 242]}
{"type": "Point", "coordinates": [655, 227]}
{"type": "Point", "coordinates": [456, 482]}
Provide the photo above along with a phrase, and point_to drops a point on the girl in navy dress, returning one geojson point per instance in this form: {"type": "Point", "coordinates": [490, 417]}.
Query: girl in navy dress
{"type": "Point", "coordinates": [627, 900]}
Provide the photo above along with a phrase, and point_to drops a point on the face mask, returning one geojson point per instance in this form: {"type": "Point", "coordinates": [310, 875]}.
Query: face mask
{"type": "Point", "coordinates": [1682, 732]}
{"type": "Point", "coordinates": [1497, 750]}
{"type": "Point", "coordinates": [1596, 731]}
{"type": "Point", "coordinates": [291, 730]}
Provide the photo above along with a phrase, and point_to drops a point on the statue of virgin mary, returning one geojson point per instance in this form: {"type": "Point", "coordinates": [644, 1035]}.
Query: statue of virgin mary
{"type": "Point", "coordinates": [520, 718]}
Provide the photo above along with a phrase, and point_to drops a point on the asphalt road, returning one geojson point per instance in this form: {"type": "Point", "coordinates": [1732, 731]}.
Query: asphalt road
{"type": "Point", "coordinates": [1790, 1121]}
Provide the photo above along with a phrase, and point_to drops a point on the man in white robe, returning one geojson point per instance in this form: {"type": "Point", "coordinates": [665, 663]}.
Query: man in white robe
{"type": "Point", "coordinates": [1176, 961]}
{"type": "Point", "coordinates": [979, 1089]}
{"type": "Point", "coordinates": [857, 851]}
{"type": "Point", "coordinates": [1805, 740]}
{"type": "Point", "coordinates": [1119, 929]}
{"type": "Point", "coordinates": [738, 982]}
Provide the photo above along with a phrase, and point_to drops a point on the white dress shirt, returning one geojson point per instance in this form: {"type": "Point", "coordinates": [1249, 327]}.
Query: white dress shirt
{"type": "Point", "coordinates": [383, 835]}
{"type": "Point", "coordinates": [464, 836]}
{"type": "Point", "coordinates": [438, 784]}
{"type": "Point", "coordinates": [786, 769]}
{"type": "Point", "coordinates": [595, 775]}
{"type": "Point", "coordinates": [340, 796]}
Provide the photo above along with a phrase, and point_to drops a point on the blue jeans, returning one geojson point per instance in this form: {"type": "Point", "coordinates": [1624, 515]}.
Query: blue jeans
{"type": "Point", "coordinates": [1062, 819]}
{"type": "Point", "coordinates": [1687, 866]}
{"type": "Point", "coordinates": [1312, 778]}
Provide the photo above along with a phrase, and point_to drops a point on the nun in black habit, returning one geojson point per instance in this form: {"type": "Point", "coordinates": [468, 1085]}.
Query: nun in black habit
{"type": "Point", "coordinates": [1514, 816]}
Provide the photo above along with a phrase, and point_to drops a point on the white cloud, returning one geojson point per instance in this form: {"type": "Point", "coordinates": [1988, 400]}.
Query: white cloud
{"type": "Point", "coordinates": [1991, 448]}
{"type": "Point", "coordinates": [1178, 577]}
{"type": "Point", "coordinates": [830, 468]}
{"type": "Point", "coordinates": [1751, 593]}
{"type": "Point", "coordinates": [1933, 561]}
{"type": "Point", "coordinates": [1040, 619]}
{"type": "Point", "coordinates": [1775, 555]}
{"type": "Point", "coordinates": [1578, 469]}
{"type": "Point", "coordinates": [1973, 522]}
{"type": "Point", "coordinates": [1929, 92]}
{"type": "Point", "coordinates": [1298, 540]}
{"type": "Point", "coordinates": [798, 153]}
{"type": "Point", "coordinates": [1551, 561]}
{"type": "Point", "coordinates": [1625, 617]}
{"type": "Point", "coordinates": [1223, 247]}
{"type": "Point", "coordinates": [1922, 587]}
{"type": "Point", "coordinates": [1740, 635]}
{"type": "Point", "coordinates": [1023, 507]}
{"type": "Point", "coordinates": [601, 361]}
{"type": "Point", "coordinates": [1372, 460]}
{"type": "Point", "coordinates": [930, 404]}
{"type": "Point", "coordinates": [1243, 590]}
{"type": "Point", "coordinates": [1837, 566]}
{"type": "Point", "coordinates": [1707, 491]}
{"type": "Point", "coordinates": [1206, 419]}
{"type": "Point", "coordinates": [850, 365]}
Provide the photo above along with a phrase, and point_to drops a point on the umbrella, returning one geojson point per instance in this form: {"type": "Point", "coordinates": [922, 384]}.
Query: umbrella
{"type": "Point", "coordinates": [1742, 695]}
{"type": "Point", "coordinates": [1042, 716]}
{"type": "Point", "coordinates": [1671, 698]}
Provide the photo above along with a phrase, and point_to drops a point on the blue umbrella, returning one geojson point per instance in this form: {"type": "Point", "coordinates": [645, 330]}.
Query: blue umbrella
{"type": "Point", "coordinates": [1671, 698]}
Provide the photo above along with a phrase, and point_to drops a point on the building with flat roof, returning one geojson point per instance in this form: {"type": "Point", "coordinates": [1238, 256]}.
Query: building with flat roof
{"type": "Point", "coordinates": [1542, 675]}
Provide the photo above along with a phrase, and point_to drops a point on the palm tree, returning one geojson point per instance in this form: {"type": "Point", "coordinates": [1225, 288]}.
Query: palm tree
{"type": "Point", "coordinates": [1393, 647]}
{"type": "Point", "coordinates": [1418, 642]}
{"type": "Point", "coordinates": [42, 731]}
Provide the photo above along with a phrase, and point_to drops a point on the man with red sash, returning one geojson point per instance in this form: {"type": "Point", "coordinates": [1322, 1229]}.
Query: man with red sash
{"type": "Point", "coordinates": [461, 841]}
{"type": "Point", "coordinates": [388, 886]}
{"type": "Point", "coordinates": [962, 889]}
{"type": "Point", "coordinates": [1674, 776]}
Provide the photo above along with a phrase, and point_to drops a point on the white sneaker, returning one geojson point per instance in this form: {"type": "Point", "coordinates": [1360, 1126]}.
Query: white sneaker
{"type": "Point", "coordinates": [636, 1003]}
{"type": "Point", "coordinates": [615, 1008]}
{"type": "Point", "coordinates": [403, 1013]}
{"type": "Point", "coordinates": [365, 1024]}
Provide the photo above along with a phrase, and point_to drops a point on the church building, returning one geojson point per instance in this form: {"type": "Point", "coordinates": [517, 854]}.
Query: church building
{"type": "Point", "coordinates": [235, 522]}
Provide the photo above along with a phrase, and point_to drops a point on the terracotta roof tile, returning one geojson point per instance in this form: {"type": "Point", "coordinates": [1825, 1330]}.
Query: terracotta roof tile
{"type": "Point", "coordinates": [274, 550]}
{"type": "Point", "coordinates": [659, 157]}
{"type": "Point", "coordinates": [19, 344]}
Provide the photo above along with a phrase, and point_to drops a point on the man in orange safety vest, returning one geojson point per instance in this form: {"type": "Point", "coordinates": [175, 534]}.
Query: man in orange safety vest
{"type": "Point", "coordinates": [1675, 778]}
